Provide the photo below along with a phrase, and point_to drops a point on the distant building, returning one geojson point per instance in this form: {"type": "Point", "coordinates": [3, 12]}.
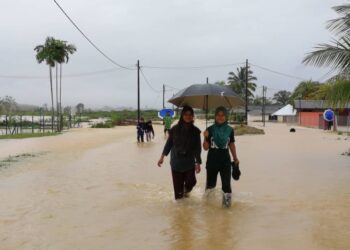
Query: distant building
{"type": "Point", "coordinates": [310, 113]}
{"type": "Point", "coordinates": [255, 112]}
{"type": "Point", "coordinates": [286, 114]}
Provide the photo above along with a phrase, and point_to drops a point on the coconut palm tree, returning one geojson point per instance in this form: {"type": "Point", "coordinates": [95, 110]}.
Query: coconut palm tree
{"type": "Point", "coordinates": [46, 52]}
{"type": "Point", "coordinates": [237, 81]}
{"type": "Point", "coordinates": [63, 51]}
{"type": "Point", "coordinates": [336, 54]}
{"type": "Point", "coordinates": [339, 93]}
{"type": "Point", "coordinates": [305, 90]}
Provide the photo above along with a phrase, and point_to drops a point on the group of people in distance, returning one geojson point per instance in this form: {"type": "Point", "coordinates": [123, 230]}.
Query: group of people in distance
{"type": "Point", "coordinates": [144, 128]}
{"type": "Point", "coordinates": [184, 145]}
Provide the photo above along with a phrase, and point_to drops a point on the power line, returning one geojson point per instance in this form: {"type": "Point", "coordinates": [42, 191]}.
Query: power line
{"type": "Point", "coordinates": [146, 80]}
{"type": "Point", "coordinates": [278, 73]}
{"type": "Point", "coordinates": [89, 40]}
{"type": "Point", "coordinates": [192, 67]}
{"type": "Point", "coordinates": [171, 87]}
{"type": "Point", "coordinates": [74, 75]}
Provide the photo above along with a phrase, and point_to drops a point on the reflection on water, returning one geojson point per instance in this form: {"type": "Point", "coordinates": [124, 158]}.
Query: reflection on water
{"type": "Point", "coordinates": [99, 189]}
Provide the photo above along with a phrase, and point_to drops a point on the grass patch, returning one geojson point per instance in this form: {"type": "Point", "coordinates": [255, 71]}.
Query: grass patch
{"type": "Point", "coordinates": [247, 130]}
{"type": "Point", "coordinates": [29, 135]}
{"type": "Point", "coordinates": [107, 124]}
{"type": "Point", "coordinates": [13, 159]}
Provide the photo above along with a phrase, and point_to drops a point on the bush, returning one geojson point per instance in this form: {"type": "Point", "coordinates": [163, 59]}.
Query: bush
{"type": "Point", "coordinates": [108, 124]}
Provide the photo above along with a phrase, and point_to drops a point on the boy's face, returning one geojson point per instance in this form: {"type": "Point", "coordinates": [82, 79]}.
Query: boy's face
{"type": "Point", "coordinates": [187, 117]}
{"type": "Point", "coordinates": [220, 117]}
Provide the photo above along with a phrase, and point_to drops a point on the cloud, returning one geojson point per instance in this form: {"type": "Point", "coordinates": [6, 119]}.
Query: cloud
{"type": "Point", "coordinates": [273, 33]}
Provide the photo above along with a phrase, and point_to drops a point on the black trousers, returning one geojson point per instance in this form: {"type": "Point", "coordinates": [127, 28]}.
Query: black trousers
{"type": "Point", "coordinates": [182, 180]}
{"type": "Point", "coordinates": [225, 174]}
{"type": "Point", "coordinates": [140, 136]}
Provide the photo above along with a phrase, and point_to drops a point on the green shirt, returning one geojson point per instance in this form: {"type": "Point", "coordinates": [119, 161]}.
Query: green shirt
{"type": "Point", "coordinates": [167, 122]}
{"type": "Point", "coordinates": [218, 157]}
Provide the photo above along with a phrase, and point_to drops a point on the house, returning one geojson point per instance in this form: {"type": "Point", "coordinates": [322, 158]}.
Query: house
{"type": "Point", "coordinates": [285, 114]}
{"type": "Point", "coordinates": [310, 113]}
{"type": "Point", "coordinates": [255, 112]}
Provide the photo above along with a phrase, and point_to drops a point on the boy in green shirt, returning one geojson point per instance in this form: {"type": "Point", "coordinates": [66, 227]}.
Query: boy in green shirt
{"type": "Point", "coordinates": [167, 122]}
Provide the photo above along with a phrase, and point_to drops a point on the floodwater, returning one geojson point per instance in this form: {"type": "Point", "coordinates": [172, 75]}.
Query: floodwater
{"type": "Point", "coordinates": [99, 189]}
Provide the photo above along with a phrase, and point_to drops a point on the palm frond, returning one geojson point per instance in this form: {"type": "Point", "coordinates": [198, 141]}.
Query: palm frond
{"type": "Point", "coordinates": [339, 94]}
{"type": "Point", "coordinates": [336, 55]}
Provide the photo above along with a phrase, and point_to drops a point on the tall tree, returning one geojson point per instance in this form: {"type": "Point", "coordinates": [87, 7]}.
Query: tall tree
{"type": "Point", "coordinates": [220, 83]}
{"type": "Point", "coordinates": [8, 105]}
{"type": "Point", "coordinates": [80, 108]}
{"type": "Point", "coordinates": [64, 50]}
{"type": "Point", "coordinates": [46, 52]}
{"type": "Point", "coordinates": [237, 81]}
{"type": "Point", "coordinates": [337, 54]}
{"type": "Point", "coordinates": [305, 90]}
{"type": "Point", "coordinates": [339, 93]}
{"type": "Point", "coordinates": [55, 52]}
{"type": "Point", "coordinates": [282, 97]}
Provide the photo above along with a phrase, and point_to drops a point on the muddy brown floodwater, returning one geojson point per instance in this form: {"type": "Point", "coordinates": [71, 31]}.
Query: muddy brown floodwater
{"type": "Point", "coordinates": [99, 189]}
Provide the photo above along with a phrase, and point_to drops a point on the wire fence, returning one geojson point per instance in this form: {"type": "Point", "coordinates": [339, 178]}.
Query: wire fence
{"type": "Point", "coordinates": [24, 124]}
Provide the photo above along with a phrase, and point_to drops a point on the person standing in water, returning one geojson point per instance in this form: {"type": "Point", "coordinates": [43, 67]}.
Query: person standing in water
{"type": "Point", "coordinates": [219, 140]}
{"type": "Point", "coordinates": [167, 122]}
{"type": "Point", "coordinates": [140, 130]}
{"type": "Point", "coordinates": [149, 131]}
{"type": "Point", "coordinates": [184, 142]}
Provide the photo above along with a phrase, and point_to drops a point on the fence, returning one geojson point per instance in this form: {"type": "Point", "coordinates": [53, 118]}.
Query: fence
{"type": "Point", "coordinates": [22, 124]}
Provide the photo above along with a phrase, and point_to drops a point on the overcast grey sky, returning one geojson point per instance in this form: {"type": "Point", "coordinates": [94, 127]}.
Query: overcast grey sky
{"type": "Point", "coordinates": [273, 33]}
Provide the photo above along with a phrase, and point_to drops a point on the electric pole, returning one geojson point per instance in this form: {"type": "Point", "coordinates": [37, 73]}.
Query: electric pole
{"type": "Point", "coordinates": [138, 91]}
{"type": "Point", "coordinates": [246, 92]}
{"type": "Point", "coordinates": [163, 95]}
{"type": "Point", "coordinates": [263, 105]}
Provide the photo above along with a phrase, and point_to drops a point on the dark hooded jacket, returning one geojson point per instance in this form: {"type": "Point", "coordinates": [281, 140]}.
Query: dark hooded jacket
{"type": "Point", "coordinates": [184, 143]}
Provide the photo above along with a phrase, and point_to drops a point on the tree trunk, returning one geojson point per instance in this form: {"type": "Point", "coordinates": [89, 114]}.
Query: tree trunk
{"type": "Point", "coordinates": [61, 117]}
{"type": "Point", "coordinates": [57, 111]}
{"type": "Point", "coordinates": [52, 107]}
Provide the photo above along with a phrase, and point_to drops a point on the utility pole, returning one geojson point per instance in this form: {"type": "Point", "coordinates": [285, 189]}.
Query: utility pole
{"type": "Point", "coordinates": [246, 92]}
{"type": "Point", "coordinates": [263, 105]}
{"type": "Point", "coordinates": [163, 95]}
{"type": "Point", "coordinates": [207, 80]}
{"type": "Point", "coordinates": [138, 91]}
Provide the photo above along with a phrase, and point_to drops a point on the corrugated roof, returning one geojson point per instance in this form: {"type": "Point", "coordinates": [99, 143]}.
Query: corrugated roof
{"type": "Point", "coordinates": [314, 104]}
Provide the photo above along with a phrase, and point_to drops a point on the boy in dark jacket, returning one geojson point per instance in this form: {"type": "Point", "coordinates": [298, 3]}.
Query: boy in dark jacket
{"type": "Point", "coordinates": [140, 130]}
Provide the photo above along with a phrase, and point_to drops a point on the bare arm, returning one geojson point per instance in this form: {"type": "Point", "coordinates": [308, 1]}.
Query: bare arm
{"type": "Point", "coordinates": [166, 150]}
{"type": "Point", "coordinates": [205, 141]}
{"type": "Point", "coordinates": [233, 152]}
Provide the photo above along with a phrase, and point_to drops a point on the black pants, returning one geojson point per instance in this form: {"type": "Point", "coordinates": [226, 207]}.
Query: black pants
{"type": "Point", "coordinates": [225, 174]}
{"type": "Point", "coordinates": [182, 180]}
{"type": "Point", "coordinates": [140, 137]}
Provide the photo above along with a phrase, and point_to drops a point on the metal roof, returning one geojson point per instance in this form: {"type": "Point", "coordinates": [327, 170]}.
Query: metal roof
{"type": "Point", "coordinates": [315, 104]}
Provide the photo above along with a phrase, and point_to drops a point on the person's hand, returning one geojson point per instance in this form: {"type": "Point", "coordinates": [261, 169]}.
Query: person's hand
{"type": "Point", "coordinates": [206, 133]}
{"type": "Point", "coordinates": [236, 161]}
{"type": "Point", "coordinates": [160, 162]}
{"type": "Point", "coordinates": [198, 168]}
